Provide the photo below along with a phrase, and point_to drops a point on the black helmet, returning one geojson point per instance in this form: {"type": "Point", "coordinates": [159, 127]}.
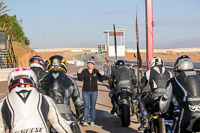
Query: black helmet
{"type": "Point", "coordinates": [119, 63]}
{"type": "Point", "coordinates": [183, 63]}
{"type": "Point", "coordinates": [57, 62]}
{"type": "Point", "coordinates": [36, 61]}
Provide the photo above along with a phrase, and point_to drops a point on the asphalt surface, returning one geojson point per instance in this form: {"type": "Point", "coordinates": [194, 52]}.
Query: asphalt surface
{"type": "Point", "coordinates": [106, 122]}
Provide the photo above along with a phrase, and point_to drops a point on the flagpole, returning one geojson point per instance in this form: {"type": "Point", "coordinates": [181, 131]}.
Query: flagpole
{"type": "Point", "coordinates": [139, 60]}
{"type": "Point", "coordinates": [115, 41]}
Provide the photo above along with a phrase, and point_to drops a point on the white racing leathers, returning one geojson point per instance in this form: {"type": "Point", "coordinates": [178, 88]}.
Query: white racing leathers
{"type": "Point", "coordinates": [25, 110]}
{"type": "Point", "coordinates": [184, 88]}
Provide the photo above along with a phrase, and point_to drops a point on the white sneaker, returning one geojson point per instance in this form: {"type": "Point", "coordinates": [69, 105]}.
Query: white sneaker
{"type": "Point", "coordinates": [85, 124]}
{"type": "Point", "coordinates": [92, 124]}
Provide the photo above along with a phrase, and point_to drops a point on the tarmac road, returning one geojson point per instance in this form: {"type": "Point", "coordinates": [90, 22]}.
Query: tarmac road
{"type": "Point", "coordinates": [106, 122]}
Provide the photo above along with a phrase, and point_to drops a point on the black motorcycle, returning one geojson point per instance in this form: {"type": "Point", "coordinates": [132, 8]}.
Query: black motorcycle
{"type": "Point", "coordinates": [171, 117]}
{"type": "Point", "coordinates": [124, 105]}
{"type": "Point", "coordinates": [156, 121]}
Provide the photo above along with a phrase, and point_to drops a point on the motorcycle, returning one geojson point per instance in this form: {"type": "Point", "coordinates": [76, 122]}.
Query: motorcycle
{"type": "Point", "coordinates": [124, 105]}
{"type": "Point", "coordinates": [171, 118]}
{"type": "Point", "coordinates": [156, 121]}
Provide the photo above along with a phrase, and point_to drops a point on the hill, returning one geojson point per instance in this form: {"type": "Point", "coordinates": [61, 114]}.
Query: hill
{"type": "Point", "coordinates": [23, 53]}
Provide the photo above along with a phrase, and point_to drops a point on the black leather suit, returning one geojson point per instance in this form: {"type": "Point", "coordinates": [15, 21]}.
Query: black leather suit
{"type": "Point", "coordinates": [157, 78]}
{"type": "Point", "coordinates": [122, 77]}
{"type": "Point", "coordinates": [40, 73]}
{"type": "Point", "coordinates": [184, 88]}
{"type": "Point", "coordinates": [60, 87]}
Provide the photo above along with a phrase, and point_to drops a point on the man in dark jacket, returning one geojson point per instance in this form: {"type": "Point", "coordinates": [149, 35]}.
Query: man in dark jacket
{"type": "Point", "coordinates": [89, 76]}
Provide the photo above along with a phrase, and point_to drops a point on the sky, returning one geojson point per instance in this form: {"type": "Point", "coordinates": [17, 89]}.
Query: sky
{"type": "Point", "coordinates": [81, 23]}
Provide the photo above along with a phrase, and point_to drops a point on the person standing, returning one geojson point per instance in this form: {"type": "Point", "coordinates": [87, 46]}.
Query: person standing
{"type": "Point", "coordinates": [107, 68]}
{"type": "Point", "coordinates": [89, 76]}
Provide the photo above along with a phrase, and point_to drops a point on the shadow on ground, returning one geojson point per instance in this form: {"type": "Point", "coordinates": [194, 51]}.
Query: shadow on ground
{"type": "Point", "coordinates": [90, 131]}
{"type": "Point", "coordinates": [111, 123]}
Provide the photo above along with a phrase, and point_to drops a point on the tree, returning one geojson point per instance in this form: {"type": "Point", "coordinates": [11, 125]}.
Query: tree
{"type": "Point", "coordinates": [2, 8]}
{"type": "Point", "coordinates": [12, 27]}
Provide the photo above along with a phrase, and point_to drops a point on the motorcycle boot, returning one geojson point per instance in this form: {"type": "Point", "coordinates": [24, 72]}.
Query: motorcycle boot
{"type": "Point", "coordinates": [114, 109]}
{"type": "Point", "coordinates": [144, 123]}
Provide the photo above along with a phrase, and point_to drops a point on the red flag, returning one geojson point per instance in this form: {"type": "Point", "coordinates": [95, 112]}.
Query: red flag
{"type": "Point", "coordinates": [139, 59]}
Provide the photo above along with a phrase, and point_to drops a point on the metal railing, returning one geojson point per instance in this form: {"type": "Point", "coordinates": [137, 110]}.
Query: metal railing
{"type": "Point", "coordinates": [11, 55]}
{"type": "Point", "coordinates": [7, 55]}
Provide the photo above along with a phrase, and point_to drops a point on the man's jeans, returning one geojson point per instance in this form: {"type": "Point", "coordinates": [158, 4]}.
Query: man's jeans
{"type": "Point", "coordinates": [89, 97]}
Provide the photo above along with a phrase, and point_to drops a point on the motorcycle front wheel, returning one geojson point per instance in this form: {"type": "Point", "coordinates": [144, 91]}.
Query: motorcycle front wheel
{"type": "Point", "coordinates": [156, 126]}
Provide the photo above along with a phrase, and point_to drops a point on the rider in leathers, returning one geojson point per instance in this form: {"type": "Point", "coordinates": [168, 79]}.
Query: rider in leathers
{"type": "Point", "coordinates": [157, 78]}
{"type": "Point", "coordinates": [184, 88]}
{"type": "Point", "coordinates": [26, 110]}
{"type": "Point", "coordinates": [60, 87]}
{"type": "Point", "coordinates": [121, 76]}
{"type": "Point", "coordinates": [37, 64]}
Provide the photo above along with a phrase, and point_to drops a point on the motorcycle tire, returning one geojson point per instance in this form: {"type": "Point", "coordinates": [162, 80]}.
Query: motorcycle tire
{"type": "Point", "coordinates": [153, 126]}
{"type": "Point", "coordinates": [125, 115]}
{"type": "Point", "coordinates": [161, 125]}
{"type": "Point", "coordinates": [157, 126]}
{"type": "Point", "coordinates": [147, 131]}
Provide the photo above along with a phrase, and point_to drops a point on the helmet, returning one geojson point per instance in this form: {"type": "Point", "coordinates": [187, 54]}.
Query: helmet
{"type": "Point", "coordinates": [45, 64]}
{"type": "Point", "coordinates": [156, 61]}
{"type": "Point", "coordinates": [119, 63]}
{"type": "Point", "coordinates": [22, 77]}
{"type": "Point", "coordinates": [91, 60]}
{"type": "Point", "coordinates": [183, 63]}
{"type": "Point", "coordinates": [36, 61]}
{"type": "Point", "coordinates": [57, 62]}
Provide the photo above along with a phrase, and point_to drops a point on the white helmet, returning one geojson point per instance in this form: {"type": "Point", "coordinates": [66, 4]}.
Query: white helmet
{"type": "Point", "coordinates": [183, 63]}
{"type": "Point", "coordinates": [156, 61]}
{"type": "Point", "coordinates": [23, 77]}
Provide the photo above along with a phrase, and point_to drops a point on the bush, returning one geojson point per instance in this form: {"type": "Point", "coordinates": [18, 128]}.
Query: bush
{"type": "Point", "coordinates": [13, 27]}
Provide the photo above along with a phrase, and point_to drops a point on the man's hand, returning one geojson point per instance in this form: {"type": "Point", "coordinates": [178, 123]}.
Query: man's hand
{"type": "Point", "coordinates": [80, 69]}
{"type": "Point", "coordinates": [101, 72]}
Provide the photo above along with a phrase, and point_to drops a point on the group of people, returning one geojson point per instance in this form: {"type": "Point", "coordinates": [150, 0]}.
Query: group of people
{"type": "Point", "coordinates": [39, 98]}
{"type": "Point", "coordinates": [182, 89]}
{"type": "Point", "coordinates": [27, 110]}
